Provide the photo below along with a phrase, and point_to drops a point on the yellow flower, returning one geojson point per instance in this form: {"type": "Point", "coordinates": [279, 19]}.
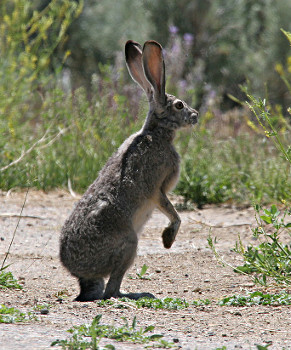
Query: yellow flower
{"type": "Point", "coordinates": [279, 68]}
{"type": "Point", "coordinates": [252, 126]}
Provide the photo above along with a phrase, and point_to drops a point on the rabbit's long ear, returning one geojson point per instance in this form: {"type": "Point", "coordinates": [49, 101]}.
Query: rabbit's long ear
{"type": "Point", "coordinates": [154, 68]}
{"type": "Point", "coordinates": [133, 57]}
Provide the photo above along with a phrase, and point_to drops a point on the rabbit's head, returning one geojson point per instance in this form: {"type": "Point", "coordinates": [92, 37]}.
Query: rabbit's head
{"type": "Point", "coordinates": [146, 67]}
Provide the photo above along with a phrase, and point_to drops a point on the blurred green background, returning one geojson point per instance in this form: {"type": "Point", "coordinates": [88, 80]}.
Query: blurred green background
{"type": "Point", "coordinates": [67, 101]}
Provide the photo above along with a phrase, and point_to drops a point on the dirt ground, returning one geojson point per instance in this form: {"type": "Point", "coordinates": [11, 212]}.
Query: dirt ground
{"type": "Point", "coordinates": [188, 270]}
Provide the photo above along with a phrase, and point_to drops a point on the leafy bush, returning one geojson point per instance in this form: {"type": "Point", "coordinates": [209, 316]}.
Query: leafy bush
{"type": "Point", "coordinates": [52, 135]}
{"type": "Point", "coordinates": [270, 258]}
{"type": "Point", "coordinates": [219, 170]}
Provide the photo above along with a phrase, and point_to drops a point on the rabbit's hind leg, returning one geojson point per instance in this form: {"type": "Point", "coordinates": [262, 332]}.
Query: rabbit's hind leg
{"type": "Point", "coordinates": [123, 260]}
{"type": "Point", "coordinates": [90, 289]}
{"type": "Point", "coordinates": [123, 257]}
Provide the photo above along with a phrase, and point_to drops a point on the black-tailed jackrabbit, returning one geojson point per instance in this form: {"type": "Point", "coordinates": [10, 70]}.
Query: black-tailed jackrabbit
{"type": "Point", "coordinates": [100, 237]}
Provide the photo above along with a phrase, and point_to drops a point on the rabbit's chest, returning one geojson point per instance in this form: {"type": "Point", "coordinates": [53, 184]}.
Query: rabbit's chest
{"type": "Point", "coordinates": [141, 216]}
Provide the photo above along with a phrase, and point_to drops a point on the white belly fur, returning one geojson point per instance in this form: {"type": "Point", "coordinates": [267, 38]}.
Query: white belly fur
{"type": "Point", "coordinates": [142, 215]}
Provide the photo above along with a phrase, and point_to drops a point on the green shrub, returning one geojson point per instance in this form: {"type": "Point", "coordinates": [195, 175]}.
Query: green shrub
{"type": "Point", "coordinates": [219, 170]}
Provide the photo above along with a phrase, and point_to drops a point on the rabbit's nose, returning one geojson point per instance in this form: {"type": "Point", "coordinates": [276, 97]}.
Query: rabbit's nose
{"type": "Point", "coordinates": [194, 117]}
{"type": "Point", "coordinates": [194, 113]}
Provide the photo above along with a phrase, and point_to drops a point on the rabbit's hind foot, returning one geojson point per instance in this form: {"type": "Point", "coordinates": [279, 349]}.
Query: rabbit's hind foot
{"type": "Point", "coordinates": [90, 290]}
{"type": "Point", "coordinates": [136, 296]}
{"type": "Point", "coordinates": [133, 296]}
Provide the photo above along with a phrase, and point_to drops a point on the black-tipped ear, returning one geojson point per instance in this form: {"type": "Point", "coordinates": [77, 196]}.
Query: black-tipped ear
{"type": "Point", "coordinates": [154, 68]}
{"type": "Point", "coordinates": [133, 57]}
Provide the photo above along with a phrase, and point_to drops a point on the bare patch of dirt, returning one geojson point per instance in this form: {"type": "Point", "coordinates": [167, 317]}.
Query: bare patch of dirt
{"type": "Point", "coordinates": [188, 270]}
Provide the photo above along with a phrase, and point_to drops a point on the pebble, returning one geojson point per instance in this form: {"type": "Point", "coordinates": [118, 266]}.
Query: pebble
{"type": "Point", "coordinates": [44, 311]}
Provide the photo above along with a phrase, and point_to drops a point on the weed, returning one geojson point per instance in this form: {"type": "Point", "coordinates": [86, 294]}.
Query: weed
{"type": "Point", "coordinates": [201, 302]}
{"type": "Point", "coordinates": [257, 298]}
{"type": "Point", "coordinates": [95, 332]}
{"type": "Point", "coordinates": [104, 303]}
{"type": "Point", "coordinates": [263, 347]}
{"type": "Point", "coordinates": [141, 274]}
{"type": "Point", "coordinates": [270, 258]}
{"type": "Point", "coordinates": [7, 280]}
{"type": "Point", "coordinates": [215, 170]}
{"type": "Point", "coordinates": [156, 304]}
{"type": "Point", "coordinates": [12, 315]}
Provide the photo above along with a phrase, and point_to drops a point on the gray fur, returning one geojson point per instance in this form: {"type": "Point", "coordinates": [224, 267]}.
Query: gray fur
{"type": "Point", "coordinates": [100, 237]}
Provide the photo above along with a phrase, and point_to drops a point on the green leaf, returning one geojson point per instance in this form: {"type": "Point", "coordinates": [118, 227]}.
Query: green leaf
{"type": "Point", "coordinates": [274, 209]}
{"type": "Point", "coordinates": [266, 219]}
{"type": "Point", "coordinates": [149, 329]}
{"type": "Point", "coordinates": [133, 323]}
{"type": "Point", "coordinates": [262, 347]}
{"type": "Point", "coordinates": [96, 320]}
{"type": "Point", "coordinates": [156, 336]}
{"type": "Point", "coordinates": [143, 269]}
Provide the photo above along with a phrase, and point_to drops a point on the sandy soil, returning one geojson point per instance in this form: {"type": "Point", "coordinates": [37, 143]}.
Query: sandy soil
{"type": "Point", "coordinates": [188, 270]}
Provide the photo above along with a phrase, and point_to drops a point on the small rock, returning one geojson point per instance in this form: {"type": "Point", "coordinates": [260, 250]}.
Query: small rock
{"type": "Point", "coordinates": [176, 340]}
{"type": "Point", "coordinates": [44, 311]}
{"type": "Point", "coordinates": [237, 313]}
{"type": "Point", "coordinates": [158, 271]}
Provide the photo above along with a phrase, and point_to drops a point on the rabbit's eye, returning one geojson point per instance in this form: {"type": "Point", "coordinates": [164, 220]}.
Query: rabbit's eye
{"type": "Point", "coordinates": [179, 105]}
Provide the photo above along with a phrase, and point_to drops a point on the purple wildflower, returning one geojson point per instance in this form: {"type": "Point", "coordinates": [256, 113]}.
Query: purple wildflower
{"type": "Point", "coordinates": [188, 38]}
{"type": "Point", "coordinates": [173, 29]}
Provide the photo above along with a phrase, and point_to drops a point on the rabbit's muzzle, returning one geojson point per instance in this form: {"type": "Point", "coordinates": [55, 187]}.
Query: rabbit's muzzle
{"type": "Point", "coordinates": [193, 118]}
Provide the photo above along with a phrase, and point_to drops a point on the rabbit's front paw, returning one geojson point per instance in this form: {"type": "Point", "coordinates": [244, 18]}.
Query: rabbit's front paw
{"type": "Point", "coordinates": [169, 235]}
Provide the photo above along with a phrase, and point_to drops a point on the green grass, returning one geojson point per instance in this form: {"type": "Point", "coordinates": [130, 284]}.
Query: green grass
{"type": "Point", "coordinates": [89, 336]}
{"type": "Point", "coordinates": [7, 280]}
{"type": "Point", "coordinates": [84, 135]}
{"type": "Point", "coordinates": [52, 136]}
{"type": "Point", "coordinates": [12, 315]}
{"type": "Point", "coordinates": [251, 298]}
{"type": "Point", "coordinates": [242, 170]}
{"type": "Point", "coordinates": [56, 136]}
{"type": "Point", "coordinates": [155, 304]}
{"type": "Point", "coordinates": [166, 303]}
{"type": "Point", "coordinates": [257, 298]}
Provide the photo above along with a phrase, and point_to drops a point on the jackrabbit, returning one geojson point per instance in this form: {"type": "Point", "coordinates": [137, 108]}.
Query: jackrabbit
{"type": "Point", "coordinates": [100, 237]}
